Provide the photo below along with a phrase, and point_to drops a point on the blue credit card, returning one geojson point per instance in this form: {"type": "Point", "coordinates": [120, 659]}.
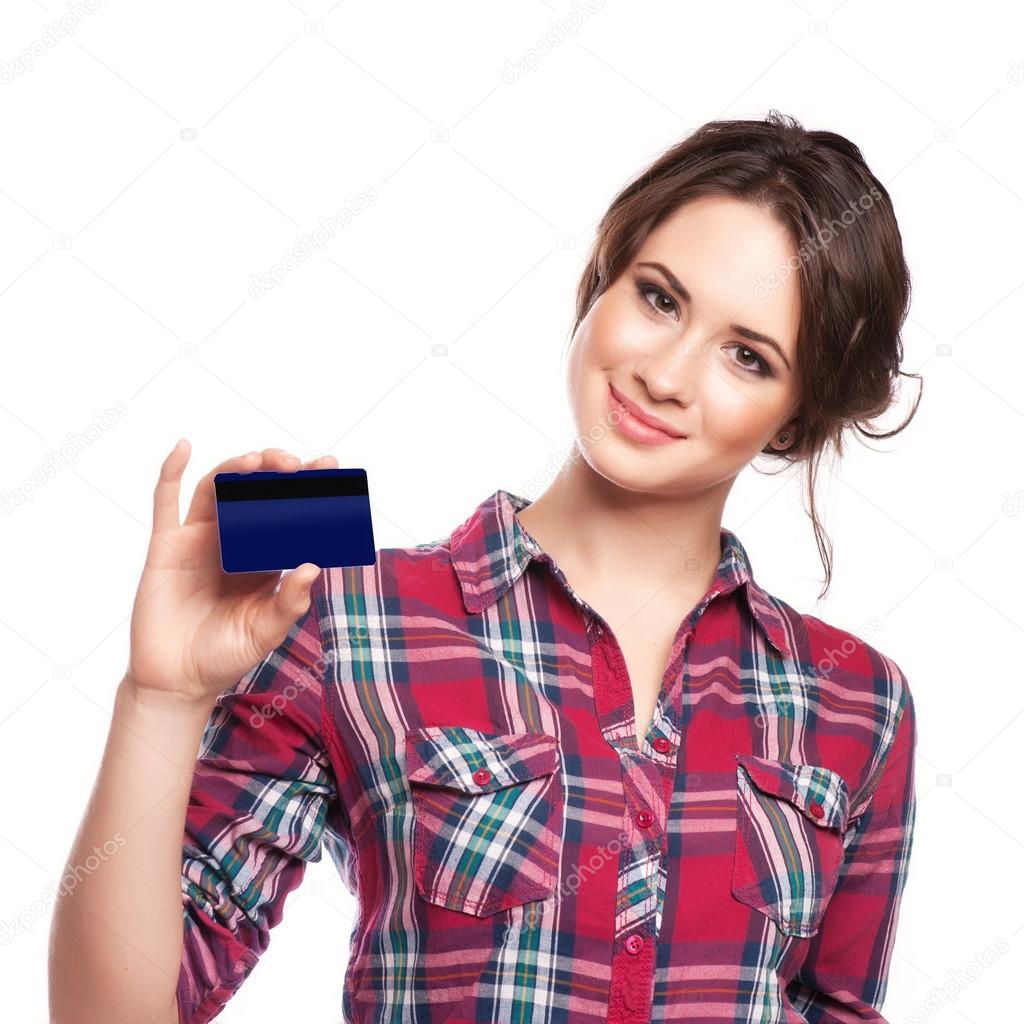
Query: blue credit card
{"type": "Point", "coordinates": [274, 521]}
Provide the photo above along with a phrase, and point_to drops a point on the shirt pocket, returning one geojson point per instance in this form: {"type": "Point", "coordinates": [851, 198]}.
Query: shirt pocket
{"type": "Point", "coordinates": [488, 810]}
{"type": "Point", "coordinates": [791, 820]}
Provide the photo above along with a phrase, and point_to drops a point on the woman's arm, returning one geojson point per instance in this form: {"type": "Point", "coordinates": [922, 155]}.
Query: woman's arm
{"type": "Point", "coordinates": [846, 971]}
{"type": "Point", "coordinates": [263, 790]}
{"type": "Point", "coordinates": [116, 937]}
{"type": "Point", "coordinates": [118, 933]}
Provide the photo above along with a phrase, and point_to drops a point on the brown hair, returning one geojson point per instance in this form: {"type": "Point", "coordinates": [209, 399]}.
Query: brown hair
{"type": "Point", "coordinates": [854, 280]}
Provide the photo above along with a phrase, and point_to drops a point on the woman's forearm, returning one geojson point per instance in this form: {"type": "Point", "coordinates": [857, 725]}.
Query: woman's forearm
{"type": "Point", "coordinates": [117, 931]}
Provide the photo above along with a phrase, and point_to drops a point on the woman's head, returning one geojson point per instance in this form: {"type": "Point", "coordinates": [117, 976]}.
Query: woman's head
{"type": "Point", "coordinates": [745, 231]}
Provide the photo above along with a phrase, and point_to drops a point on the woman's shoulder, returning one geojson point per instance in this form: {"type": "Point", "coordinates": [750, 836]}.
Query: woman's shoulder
{"type": "Point", "coordinates": [858, 687]}
{"type": "Point", "coordinates": [417, 571]}
{"type": "Point", "coordinates": [854, 662]}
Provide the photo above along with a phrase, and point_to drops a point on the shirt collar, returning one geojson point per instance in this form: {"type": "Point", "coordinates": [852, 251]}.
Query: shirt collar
{"type": "Point", "coordinates": [490, 551]}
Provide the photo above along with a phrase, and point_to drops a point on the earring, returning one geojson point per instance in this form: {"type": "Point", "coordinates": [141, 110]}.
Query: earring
{"type": "Point", "coordinates": [781, 442]}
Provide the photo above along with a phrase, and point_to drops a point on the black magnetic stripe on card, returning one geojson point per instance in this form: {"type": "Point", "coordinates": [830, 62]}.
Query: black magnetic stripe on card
{"type": "Point", "coordinates": [294, 486]}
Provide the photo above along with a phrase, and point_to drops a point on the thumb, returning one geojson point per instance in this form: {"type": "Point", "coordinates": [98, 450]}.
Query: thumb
{"type": "Point", "coordinates": [287, 599]}
{"type": "Point", "coordinates": [281, 603]}
{"type": "Point", "coordinates": [294, 593]}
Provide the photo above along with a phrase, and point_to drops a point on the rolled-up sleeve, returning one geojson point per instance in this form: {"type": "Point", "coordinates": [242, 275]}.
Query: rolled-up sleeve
{"type": "Point", "coordinates": [261, 792]}
{"type": "Point", "coordinates": [845, 974]}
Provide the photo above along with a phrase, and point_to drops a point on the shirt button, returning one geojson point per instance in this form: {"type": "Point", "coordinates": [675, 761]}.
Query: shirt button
{"type": "Point", "coordinates": [634, 944]}
{"type": "Point", "coordinates": [644, 818]}
{"type": "Point", "coordinates": [481, 776]}
{"type": "Point", "coordinates": [817, 810]}
{"type": "Point", "coordinates": [662, 745]}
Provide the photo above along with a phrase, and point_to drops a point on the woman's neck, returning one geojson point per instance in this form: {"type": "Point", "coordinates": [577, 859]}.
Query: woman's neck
{"type": "Point", "coordinates": [629, 541]}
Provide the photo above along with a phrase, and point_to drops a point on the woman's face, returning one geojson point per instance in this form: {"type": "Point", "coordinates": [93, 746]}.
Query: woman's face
{"type": "Point", "coordinates": [686, 356]}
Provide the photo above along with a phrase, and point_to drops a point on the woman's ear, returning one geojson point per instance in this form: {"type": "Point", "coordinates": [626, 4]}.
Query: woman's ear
{"type": "Point", "coordinates": [785, 437]}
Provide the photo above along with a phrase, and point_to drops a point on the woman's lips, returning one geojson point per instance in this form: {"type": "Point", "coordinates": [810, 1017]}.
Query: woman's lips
{"type": "Point", "coordinates": [636, 424]}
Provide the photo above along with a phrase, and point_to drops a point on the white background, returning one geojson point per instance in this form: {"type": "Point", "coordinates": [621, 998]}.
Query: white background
{"type": "Point", "coordinates": [161, 155]}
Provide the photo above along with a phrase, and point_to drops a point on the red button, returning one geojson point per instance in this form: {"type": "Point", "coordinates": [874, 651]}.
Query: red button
{"type": "Point", "coordinates": [634, 944]}
{"type": "Point", "coordinates": [481, 776]}
{"type": "Point", "coordinates": [662, 745]}
{"type": "Point", "coordinates": [644, 818]}
{"type": "Point", "coordinates": [817, 810]}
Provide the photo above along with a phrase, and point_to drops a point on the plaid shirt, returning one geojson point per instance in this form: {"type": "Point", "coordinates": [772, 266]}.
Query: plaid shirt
{"type": "Point", "coordinates": [456, 726]}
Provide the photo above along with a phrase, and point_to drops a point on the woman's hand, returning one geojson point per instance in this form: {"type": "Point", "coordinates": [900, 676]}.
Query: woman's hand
{"type": "Point", "coordinates": [196, 629]}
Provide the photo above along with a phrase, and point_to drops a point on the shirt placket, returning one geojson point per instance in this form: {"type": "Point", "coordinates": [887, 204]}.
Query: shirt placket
{"type": "Point", "coordinates": [648, 780]}
{"type": "Point", "coordinates": [643, 838]}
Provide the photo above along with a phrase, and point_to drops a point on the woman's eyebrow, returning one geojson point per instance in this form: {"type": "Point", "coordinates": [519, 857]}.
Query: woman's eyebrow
{"type": "Point", "coordinates": [680, 289]}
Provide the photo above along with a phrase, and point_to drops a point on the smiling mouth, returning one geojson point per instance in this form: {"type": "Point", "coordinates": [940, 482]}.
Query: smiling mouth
{"type": "Point", "coordinates": [636, 424]}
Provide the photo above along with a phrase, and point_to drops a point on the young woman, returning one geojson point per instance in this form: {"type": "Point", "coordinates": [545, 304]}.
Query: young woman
{"type": "Point", "coordinates": [573, 761]}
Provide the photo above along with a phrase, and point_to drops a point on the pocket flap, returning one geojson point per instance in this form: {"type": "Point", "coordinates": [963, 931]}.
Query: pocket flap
{"type": "Point", "coordinates": [477, 762]}
{"type": "Point", "coordinates": [820, 793]}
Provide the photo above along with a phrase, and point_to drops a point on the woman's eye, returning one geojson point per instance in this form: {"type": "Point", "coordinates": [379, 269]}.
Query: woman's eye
{"type": "Point", "coordinates": [652, 295]}
{"type": "Point", "coordinates": [759, 366]}
{"type": "Point", "coordinates": [648, 290]}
